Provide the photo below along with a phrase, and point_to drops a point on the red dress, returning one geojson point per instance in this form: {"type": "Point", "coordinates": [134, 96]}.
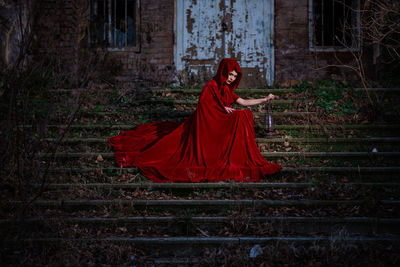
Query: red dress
{"type": "Point", "coordinates": [211, 145]}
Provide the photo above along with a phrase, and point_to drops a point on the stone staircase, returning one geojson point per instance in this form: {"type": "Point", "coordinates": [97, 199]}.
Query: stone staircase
{"type": "Point", "coordinates": [339, 188]}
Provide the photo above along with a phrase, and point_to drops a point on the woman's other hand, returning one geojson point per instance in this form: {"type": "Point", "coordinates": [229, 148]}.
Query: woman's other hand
{"type": "Point", "coordinates": [229, 110]}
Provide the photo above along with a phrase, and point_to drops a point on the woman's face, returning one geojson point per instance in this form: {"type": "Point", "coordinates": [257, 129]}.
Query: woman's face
{"type": "Point", "coordinates": [231, 77]}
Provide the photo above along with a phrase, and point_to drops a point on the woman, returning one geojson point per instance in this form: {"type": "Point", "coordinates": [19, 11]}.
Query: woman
{"type": "Point", "coordinates": [215, 143]}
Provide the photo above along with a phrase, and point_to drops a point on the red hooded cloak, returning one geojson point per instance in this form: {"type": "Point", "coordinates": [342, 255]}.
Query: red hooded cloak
{"type": "Point", "coordinates": [211, 145]}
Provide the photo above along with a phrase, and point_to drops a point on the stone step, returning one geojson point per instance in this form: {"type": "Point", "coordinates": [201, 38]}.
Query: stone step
{"type": "Point", "coordinates": [110, 155]}
{"type": "Point", "coordinates": [184, 203]}
{"type": "Point", "coordinates": [372, 221]}
{"type": "Point", "coordinates": [275, 91]}
{"type": "Point", "coordinates": [294, 140]}
{"type": "Point", "coordinates": [298, 224]}
{"type": "Point", "coordinates": [303, 174]}
{"type": "Point", "coordinates": [166, 100]}
{"type": "Point", "coordinates": [301, 166]}
{"type": "Point", "coordinates": [153, 100]}
{"type": "Point", "coordinates": [165, 113]}
{"type": "Point", "coordinates": [240, 90]}
{"type": "Point", "coordinates": [277, 127]}
{"type": "Point", "coordinates": [183, 107]}
{"type": "Point", "coordinates": [201, 241]}
{"type": "Point", "coordinates": [288, 143]}
{"type": "Point", "coordinates": [294, 170]}
{"type": "Point", "coordinates": [208, 251]}
{"type": "Point", "coordinates": [136, 117]}
{"type": "Point", "coordinates": [197, 91]}
{"type": "Point", "coordinates": [194, 186]}
{"type": "Point", "coordinates": [169, 261]}
{"type": "Point", "coordinates": [306, 130]}
{"type": "Point", "coordinates": [197, 186]}
{"type": "Point", "coordinates": [163, 205]}
{"type": "Point", "coordinates": [367, 207]}
{"type": "Point", "coordinates": [274, 190]}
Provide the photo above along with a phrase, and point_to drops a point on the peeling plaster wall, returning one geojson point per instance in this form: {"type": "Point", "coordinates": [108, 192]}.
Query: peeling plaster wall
{"type": "Point", "coordinates": [251, 40]}
{"type": "Point", "coordinates": [208, 31]}
{"type": "Point", "coordinates": [199, 40]}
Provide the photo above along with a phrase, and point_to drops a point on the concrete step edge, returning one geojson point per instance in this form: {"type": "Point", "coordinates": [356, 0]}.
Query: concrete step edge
{"type": "Point", "coordinates": [188, 90]}
{"type": "Point", "coordinates": [277, 127]}
{"type": "Point", "coordinates": [361, 169]}
{"type": "Point", "coordinates": [192, 102]}
{"type": "Point", "coordinates": [195, 186]}
{"type": "Point", "coordinates": [107, 155]}
{"type": "Point", "coordinates": [182, 185]}
{"type": "Point", "coordinates": [264, 140]}
{"type": "Point", "coordinates": [191, 203]}
{"type": "Point", "coordinates": [195, 241]}
{"type": "Point", "coordinates": [240, 90]}
{"type": "Point", "coordinates": [181, 113]}
{"type": "Point", "coordinates": [210, 219]}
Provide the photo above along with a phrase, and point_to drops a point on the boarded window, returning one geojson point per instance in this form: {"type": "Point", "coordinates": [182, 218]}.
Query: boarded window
{"type": "Point", "coordinates": [115, 24]}
{"type": "Point", "coordinates": [334, 24]}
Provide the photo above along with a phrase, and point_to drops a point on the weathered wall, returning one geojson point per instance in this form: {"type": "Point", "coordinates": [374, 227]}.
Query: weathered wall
{"type": "Point", "coordinates": [63, 27]}
{"type": "Point", "coordinates": [57, 31]}
{"type": "Point", "coordinates": [293, 58]}
{"type": "Point", "coordinates": [208, 31]}
{"type": "Point", "coordinates": [154, 62]}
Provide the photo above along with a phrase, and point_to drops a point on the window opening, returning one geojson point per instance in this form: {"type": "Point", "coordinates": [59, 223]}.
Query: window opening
{"type": "Point", "coordinates": [114, 23]}
{"type": "Point", "coordinates": [334, 24]}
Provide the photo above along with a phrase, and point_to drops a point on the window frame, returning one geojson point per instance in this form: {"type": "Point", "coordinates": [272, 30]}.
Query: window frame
{"type": "Point", "coordinates": [109, 33]}
{"type": "Point", "coordinates": [355, 46]}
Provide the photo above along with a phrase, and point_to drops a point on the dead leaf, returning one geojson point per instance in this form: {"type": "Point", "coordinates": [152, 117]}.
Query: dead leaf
{"type": "Point", "coordinates": [100, 158]}
{"type": "Point", "coordinates": [286, 144]}
{"type": "Point", "coordinates": [136, 193]}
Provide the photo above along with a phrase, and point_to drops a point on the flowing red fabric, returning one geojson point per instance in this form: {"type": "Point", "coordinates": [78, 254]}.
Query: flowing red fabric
{"type": "Point", "coordinates": [211, 145]}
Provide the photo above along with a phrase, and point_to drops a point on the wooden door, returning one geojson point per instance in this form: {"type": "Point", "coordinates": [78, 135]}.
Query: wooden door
{"type": "Point", "coordinates": [207, 31]}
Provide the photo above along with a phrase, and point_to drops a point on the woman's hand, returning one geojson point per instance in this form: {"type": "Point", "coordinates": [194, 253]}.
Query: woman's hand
{"type": "Point", "coordinates": [229, 110]}
{"type": "Point", "coordinates": [269, 97]}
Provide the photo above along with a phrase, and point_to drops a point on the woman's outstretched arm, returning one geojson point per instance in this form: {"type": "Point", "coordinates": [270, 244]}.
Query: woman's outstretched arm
{"type": "Point", "coordinates": [251, 102]}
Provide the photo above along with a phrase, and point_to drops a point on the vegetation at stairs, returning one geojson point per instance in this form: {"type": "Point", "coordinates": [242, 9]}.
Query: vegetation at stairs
{"type": "Point", "coordinates": [334, 97]}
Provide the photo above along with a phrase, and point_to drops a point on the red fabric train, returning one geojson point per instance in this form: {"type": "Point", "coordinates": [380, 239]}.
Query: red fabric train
{"type": "Point", "coordinates": [211, 145]}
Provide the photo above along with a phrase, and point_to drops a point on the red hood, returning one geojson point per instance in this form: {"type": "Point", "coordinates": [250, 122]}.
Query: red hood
{"type": "Point", "coordinates": [226, 66]}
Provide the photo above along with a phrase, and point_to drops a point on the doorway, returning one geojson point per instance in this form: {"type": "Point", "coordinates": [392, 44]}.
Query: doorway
{"type": "Point", "coordinates": [207, 31]}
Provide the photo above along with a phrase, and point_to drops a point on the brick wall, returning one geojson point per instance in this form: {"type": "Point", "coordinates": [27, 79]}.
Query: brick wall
{"type": "Point", "coordinates": [61, 31]}
{"type": "Point", "coordinates": [61, 27]}
{"type": "Point", "coordinates": [57, 31]}
{"type": "Point", "coordinates": [293, 58]}
{"type": "Point", "coordinates": [154, 62]}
